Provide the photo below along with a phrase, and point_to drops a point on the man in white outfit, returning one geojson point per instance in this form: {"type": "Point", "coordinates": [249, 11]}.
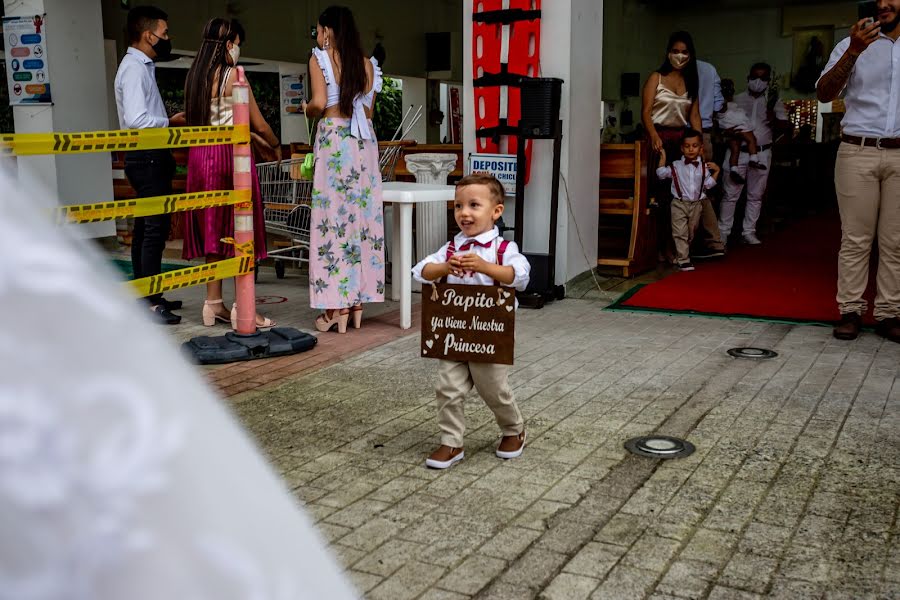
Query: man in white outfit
{"type": "Point", "coordinates": [711, 101]}
{"type": "Point", "coordinates": [763, 119]}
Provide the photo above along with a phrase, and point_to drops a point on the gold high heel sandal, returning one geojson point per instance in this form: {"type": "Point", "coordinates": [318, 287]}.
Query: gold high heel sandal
{"type": "Point", "coordinates": [265, 324]}
{"type": "Point", "coordinates": [210, 316]}
{"type": "Point", "coordinates": [356, 312]}
{"type": "Point", "coordinates": [325, 323]}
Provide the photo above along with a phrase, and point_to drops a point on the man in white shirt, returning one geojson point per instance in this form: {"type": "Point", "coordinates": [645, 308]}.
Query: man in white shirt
{"type": "Point", "coordinates": [150, 172]}
{"type": "Point", "coordinates": [711, 101]}
{"type": "Point", "coordinates": [866, 67]}
{"type": "Point", "coordinates": [764, 117]}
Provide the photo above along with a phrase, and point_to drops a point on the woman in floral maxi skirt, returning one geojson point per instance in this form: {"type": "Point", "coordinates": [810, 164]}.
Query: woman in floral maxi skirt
{"type": "Point", "coordinates": [346, 266]}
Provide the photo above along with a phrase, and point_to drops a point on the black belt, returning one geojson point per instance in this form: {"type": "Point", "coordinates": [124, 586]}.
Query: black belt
{"type": "Point", "coordinates": [762, 148]}
{"type": "Point", "coordinates": [890, 143]}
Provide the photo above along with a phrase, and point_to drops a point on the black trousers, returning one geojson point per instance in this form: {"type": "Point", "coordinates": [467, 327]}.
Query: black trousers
{"type": "Point", "coordinates": [150, 173]}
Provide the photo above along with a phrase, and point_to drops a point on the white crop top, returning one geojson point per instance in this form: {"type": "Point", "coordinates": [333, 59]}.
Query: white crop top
{"type": "Point", "coordinates": [359, 123]}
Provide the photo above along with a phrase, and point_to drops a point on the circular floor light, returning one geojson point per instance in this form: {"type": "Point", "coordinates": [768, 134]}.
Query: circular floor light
{"type": "Point", "coordinates": [659, 446]}
{"type": "Point", "coordinates": [754, 353]}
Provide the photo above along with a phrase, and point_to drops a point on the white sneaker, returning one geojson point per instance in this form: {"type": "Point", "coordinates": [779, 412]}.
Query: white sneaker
{"type": "Point", "coordinates": [751, 239]}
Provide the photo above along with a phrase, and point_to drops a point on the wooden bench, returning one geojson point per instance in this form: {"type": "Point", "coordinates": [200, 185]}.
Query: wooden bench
{"type": "Point", "coordinates": [626, 230]}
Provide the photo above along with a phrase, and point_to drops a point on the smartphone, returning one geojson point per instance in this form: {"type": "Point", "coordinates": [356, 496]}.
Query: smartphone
{"type": "Point", "coordinates": [868, 10]}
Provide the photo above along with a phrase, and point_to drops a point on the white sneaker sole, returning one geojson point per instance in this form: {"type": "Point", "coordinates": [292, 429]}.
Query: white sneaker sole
{"type": "Point", "coordinates": [516, 454]}
{"type": "Point", "coordinates": [438, 464]}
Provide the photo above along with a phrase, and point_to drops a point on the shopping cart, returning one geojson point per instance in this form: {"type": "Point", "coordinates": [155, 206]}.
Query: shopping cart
{"type": "Point", "coordinates": [285, 199]}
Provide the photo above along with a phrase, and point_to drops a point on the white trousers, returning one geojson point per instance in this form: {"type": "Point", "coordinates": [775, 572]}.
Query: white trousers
{"type": "Point", "coordinates": [757, 180]}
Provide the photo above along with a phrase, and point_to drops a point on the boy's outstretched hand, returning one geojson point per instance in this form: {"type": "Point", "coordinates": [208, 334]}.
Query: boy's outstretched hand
{"type": "Point", "coordinates": [713, 169]}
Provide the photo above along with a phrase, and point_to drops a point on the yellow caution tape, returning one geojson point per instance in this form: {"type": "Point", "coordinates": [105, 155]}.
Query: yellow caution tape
{"type": "Point", "coordinates": [182, 278]}
{"type": "Point", "coordinates": [145, 207]}
{"type": "Point", "coordinates": [25, 144]}
{"type": "Point", "coordinates": [239, 249]}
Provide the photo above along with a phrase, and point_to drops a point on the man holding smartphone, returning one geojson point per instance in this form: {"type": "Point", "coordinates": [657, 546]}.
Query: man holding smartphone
{"type": "Point", "coordinates": [866, 67]}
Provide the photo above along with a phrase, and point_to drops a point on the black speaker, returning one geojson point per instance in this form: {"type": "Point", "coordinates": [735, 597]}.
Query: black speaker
{"type": "Point", "coordinates": [539, 279]}
{"type": "Point", "coordinates": [437, 51]}
{"type": "Point", "coordinates": [630, 85]}
{"type": "Point", "coordinates": [541, 98]}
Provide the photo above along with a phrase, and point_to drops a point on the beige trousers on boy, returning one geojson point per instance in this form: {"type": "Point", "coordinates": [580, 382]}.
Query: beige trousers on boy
{"type": "Point", "coordinates": [867, 181]}
{"type": "Point", "coordinates": [456, 379]}
{"type": "Point", "coordinates": [685, 218]}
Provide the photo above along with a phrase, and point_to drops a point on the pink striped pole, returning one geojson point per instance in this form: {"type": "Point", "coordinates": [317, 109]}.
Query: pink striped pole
{"type": "Point", "coordinates": [245, 289]}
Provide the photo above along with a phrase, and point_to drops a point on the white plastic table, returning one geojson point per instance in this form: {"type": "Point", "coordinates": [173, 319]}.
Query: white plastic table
{"type": "Point", "coordinates": [403, 195]}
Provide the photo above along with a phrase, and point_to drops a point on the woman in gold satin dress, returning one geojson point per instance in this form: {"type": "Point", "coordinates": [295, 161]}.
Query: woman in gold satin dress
{"type": "Point", "coordinates": [669, 105]}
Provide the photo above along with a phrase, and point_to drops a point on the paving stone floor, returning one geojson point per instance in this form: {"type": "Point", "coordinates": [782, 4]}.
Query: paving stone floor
{"type": "Point", "coordinates": [792, 492]}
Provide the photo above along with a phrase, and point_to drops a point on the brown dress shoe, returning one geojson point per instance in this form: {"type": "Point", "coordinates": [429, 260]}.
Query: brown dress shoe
{"type": "Point", "coordinates": [889, 328]}
{"type": "Point", "coordinates": [511, 446]}
{"type": "Point", "coordinates": [848, 327]}
{"type": "Point", "coordinates": [444, 457]}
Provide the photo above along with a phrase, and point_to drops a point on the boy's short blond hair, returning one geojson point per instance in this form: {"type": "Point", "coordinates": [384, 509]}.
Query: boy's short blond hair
{"type": "Point", "coordinates": [496, 188]}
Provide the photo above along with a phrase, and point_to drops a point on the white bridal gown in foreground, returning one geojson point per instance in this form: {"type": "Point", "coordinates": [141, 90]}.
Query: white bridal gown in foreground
{"type": "Point", "coordinates": [121, 474]}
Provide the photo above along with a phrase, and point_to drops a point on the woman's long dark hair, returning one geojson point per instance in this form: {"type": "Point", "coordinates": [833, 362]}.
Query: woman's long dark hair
{"type": "Point", "coordinates": [691, 78]}
{"type": "Point", "coordinates": [348, 48]}
{"type": "Point", "coordinates": [209, 63]}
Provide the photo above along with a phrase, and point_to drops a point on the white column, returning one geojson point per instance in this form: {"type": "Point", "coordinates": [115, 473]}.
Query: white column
{"type": "Point", "coordinates": [571, 49]}
{"type": "Point", "coordinates": [431, 217]}
{"type": "Point", "coordinates": [74, 51]}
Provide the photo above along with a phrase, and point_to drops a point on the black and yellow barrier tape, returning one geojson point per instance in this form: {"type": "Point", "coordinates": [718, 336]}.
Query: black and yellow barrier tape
{"type": "Point", "coordinates": [182, 278]}
{"type": "Point", "coordinates": [29, 144]}
{"type": "Point", "coordinates": [145, 207]}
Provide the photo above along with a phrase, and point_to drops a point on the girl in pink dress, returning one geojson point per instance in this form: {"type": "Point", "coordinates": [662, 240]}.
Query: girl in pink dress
{"type": "Point", "coordinates": [207, 97]}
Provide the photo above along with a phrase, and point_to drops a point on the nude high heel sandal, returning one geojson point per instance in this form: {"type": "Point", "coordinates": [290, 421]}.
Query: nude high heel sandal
{"type": "Point", "coordinates": [356, 312]}
{"type": "Point", "coordinates": [325, 323]}
{"type": "Point", "coordinates": [265, 324]}
{"type": "Point", "coordinates": [210, 316]}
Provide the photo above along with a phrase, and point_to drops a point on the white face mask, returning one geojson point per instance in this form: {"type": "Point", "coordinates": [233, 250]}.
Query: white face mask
{"type": "Point", "coordinates": [679, 60]}
{"type": "Point", "coordinates": [757, 86]}
{"type": "Point", "coordinates": [235, 54]}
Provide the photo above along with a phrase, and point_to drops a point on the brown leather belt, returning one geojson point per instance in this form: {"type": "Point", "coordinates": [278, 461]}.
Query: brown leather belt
{"type": "Point", "coordinates": [871, 142]}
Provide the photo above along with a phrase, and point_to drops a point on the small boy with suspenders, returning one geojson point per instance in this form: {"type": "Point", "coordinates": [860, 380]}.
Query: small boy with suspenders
{"type": "Point", "coordinates": [476, 256]}
{"type": "Point", "coordinates": [691, 177]}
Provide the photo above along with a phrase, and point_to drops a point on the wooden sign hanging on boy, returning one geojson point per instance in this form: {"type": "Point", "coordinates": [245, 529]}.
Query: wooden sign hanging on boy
{"type": "Point", "coordinates": [469, 323]}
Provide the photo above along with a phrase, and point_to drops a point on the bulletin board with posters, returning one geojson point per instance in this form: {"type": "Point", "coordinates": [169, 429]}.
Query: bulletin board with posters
{"type": "Point", "coordinates": [27, 76]}
{"type": "Point", "coordinates": [292, 94]}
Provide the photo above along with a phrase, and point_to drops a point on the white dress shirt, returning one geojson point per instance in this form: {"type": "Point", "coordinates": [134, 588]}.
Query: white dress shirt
{"type": "Point", "coordinates": [756, 113]}
{"type": "Point", "coordinates": [873, 90]}
{"type": "Point", "coordinates": [687, 179]}
{"type": "Point", "coordinates": [511, 258]}
{"type": "Point", "coordinates": [710, 93]}
{"type": "Point", "coordinates": [138, 101]}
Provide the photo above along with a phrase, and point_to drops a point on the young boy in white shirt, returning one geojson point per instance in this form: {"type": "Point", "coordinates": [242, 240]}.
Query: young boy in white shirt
{"type": "Point", "coordinates": [478, 255]}
{"type": "Point", "coordinates": [691, 177]}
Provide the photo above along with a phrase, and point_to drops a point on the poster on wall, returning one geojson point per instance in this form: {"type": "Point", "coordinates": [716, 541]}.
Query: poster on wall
{"type": "Point", "coordinates": [27, 76]}
{"type": "Point", "coordinates": [292, 94]}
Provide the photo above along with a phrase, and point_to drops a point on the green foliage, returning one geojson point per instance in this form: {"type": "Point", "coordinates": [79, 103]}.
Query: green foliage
{"type": "Point", "coordinates": [264, 85]}
{"type": "Point", "coordinates": [6, 111]}
{"type": "Point", "coordinates": [388, 110]}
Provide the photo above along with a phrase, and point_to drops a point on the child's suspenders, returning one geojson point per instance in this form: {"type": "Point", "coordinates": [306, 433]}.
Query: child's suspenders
{"type": "Point", "coordinates": [451, 250]}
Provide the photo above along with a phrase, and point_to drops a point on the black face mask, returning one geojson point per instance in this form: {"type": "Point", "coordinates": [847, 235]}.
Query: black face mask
{"type": "Point", "coordinates": [162, 48]}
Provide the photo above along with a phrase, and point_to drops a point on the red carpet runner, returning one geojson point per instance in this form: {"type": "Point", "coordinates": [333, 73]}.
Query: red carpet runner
{"type": "Point", "coordinates": [791, 277]}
